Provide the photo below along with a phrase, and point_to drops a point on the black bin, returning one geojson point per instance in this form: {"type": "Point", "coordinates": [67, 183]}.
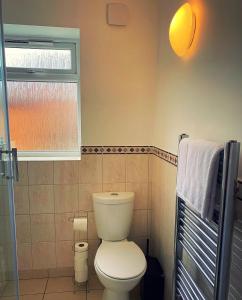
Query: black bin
{"type": "Point", "coordinates": [152, 285]}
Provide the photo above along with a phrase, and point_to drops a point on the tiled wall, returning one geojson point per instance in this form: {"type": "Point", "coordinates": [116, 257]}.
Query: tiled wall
{"type": "Point", "coordinates": [50, 193]}
{"type": "Point", "coordinates": [163, 204]}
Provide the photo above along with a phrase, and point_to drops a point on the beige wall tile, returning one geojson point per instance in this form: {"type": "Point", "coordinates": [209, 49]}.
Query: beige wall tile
{"type": "Point", "coordinates": [149, 222]}
{"type": "Point", "coordinates": [41, 172]}
{"type": "Point", "coordinates": [92, 230]}
{"type": "Point", "coordinates": [23, 173]}
{"type": "Point", "coordinates": [24, 252]}
{"type": "Point", "coordinates": [155, 219]}
{"type": "Point", "coordinates": [114, 187]}
{"type": "Point", "coordinates": [66, 198]}
{"type": "Point", "coordinates": [137, 168]}
{"type": "Point", "coordinates": [85, 195]}
{"type": "Point", "coordinates": [141, 194]}
{"type": "Point", "coordinates": [61, 271]}
{"type": "Point", "coordinates": [142, 243]}
{"type": "Point", "coordinates": [155, 171]}
{"type": "Point", "coordinates": [64, 227]}
{"type": "Point", "coordinates": [64, 254]}
{"type": "Point", "coordinates": [66, 172]}
{"type": "Point", "coordinates": [33, 274]}
{"type": "Point", "coordinates": [149, 195]}
{"type": "Point", "coordinates": [23, 228]}
{"type": "Point", "coordinates": [163, 215]}
{"type": "Point", "coordinates": [90, 169]}
{"type": "Point", "coordinates": [41, 198]}
{"type": "Point", "coordinates": [139, 224]}
{"type": "Point", "coordinates": [94, 283]}
{"type": "Point", "coordinates": [92, 250]}
{"type": "Point", "coordinates": [113, 168]}
{"type": "Point", "coordinates": [44, 256]}
{"type": "Point", "coordinates": [21, 199]}
{"type": "Point", "coordinates": [43, 228]}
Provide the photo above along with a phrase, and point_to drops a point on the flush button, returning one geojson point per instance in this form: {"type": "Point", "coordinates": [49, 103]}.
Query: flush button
{"type": "Point", "coordinates": [114, 194]}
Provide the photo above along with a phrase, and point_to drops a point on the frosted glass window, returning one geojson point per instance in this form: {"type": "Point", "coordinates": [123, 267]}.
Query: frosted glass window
{"type": "Point", "coordinates": [43, 96]}
{"type": "Point", "coordinates": [43, 115]}
{"type": "Point", "coordinates": [53, 59]}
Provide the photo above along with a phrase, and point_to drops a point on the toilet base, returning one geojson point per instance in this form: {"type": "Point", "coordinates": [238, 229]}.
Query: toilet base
{"type": "Point", "coordinates": [112, 295]}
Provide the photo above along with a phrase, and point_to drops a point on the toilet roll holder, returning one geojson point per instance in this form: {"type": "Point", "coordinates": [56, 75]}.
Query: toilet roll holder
{"type": "Point", "coordinates": [71, 219]}
{"type": "Point", "coordinates": [79, 286]}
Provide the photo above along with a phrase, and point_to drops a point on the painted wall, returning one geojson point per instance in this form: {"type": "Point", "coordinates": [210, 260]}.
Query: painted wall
{"type": "Point", "coordinates": [202, 94]}
{"type": "Point", "coordinates": [118, 65]}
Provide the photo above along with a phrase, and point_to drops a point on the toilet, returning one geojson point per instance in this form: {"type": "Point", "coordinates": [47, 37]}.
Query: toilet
{"type": "Point", "coordinates": [120, 264]}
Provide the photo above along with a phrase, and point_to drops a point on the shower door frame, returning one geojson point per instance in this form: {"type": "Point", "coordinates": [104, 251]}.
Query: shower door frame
{"type": "Point", "coordinates": [6, 171]}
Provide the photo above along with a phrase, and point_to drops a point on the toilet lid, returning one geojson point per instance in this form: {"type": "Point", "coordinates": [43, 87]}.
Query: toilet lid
{"type": "Point", "coordinates": [120, 260]}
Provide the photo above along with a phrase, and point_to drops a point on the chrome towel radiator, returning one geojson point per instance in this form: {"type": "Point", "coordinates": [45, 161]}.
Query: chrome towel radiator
{"type": "Point", "coordinates": [203, 248]}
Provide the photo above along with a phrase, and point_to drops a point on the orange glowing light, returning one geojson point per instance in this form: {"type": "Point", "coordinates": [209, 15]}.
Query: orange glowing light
{"type": "Point", "coordinates": [182, 29]}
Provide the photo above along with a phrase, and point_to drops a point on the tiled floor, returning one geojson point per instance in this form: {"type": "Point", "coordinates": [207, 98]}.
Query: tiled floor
{"type": "Point", "coordinates": [60, 288]}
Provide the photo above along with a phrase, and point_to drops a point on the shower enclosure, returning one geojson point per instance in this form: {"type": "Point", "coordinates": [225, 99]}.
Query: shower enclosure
{"type": "Point", "coordinates": [8, 260]}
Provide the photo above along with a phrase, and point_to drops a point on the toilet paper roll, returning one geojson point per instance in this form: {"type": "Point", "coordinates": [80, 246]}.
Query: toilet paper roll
{"type": "Point", "coordinates": [80, 224]}
{"type": "Point", "coordinates": [81, 247]}
{"type": "Point", "coordinates": [81, 276]}
{"type": "Point", "coordinates": [80, 262]}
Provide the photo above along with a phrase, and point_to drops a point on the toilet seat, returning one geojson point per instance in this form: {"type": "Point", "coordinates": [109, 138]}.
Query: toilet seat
{"type": "Point", "coordinates": [120, 260]}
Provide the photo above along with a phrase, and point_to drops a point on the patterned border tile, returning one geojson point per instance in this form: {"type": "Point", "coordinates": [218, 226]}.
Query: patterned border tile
{"type": "Point", "coordinates": [167, 156]}
{"type": "Point", "coordinates": [91, 150]}
{"type": "Point", "coordinates": [116, 149]}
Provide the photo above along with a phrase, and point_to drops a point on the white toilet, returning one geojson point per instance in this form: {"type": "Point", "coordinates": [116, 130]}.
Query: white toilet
{"type": "Point", "coordinates": [119, 264]}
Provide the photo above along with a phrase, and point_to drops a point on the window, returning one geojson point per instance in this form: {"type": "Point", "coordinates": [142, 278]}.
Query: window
{"type": "Point", "coordinates": [43, 94]}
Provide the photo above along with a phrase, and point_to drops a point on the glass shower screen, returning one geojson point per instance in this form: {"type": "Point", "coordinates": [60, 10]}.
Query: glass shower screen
{"type": "Point", "coordinates": [8, 260]}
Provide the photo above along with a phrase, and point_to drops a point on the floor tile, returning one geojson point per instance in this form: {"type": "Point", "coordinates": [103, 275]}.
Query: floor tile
{"type": "Point", "coordinates": [32, 297]}
{"type": "Point", "coordinates": [66, 296]}
{"type": "Point", "coordinates": [61, 284]}
{"type": "Point", "coordinates": [32, 286]}
{"type": "Point", "coordinates": [95, 295]}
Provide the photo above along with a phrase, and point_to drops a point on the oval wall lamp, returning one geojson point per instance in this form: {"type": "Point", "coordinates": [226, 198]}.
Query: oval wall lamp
{"type": "Point", "coordinates": [182, 29]}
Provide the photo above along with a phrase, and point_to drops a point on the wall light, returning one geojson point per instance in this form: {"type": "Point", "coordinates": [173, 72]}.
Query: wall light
{"type": "Point", "coordinates": [182, 29]}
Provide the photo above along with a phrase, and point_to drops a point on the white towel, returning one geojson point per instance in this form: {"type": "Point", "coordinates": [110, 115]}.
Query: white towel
{"type": "Point", "coordinates": [198, 163]}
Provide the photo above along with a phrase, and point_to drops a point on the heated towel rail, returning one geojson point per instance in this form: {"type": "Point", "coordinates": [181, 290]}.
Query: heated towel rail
{"type": "Point", "coordinates": [203, 248]}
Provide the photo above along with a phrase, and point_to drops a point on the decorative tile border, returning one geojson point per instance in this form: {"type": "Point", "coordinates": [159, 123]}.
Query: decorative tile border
{"type": "Point", "coordinates": [116, 149]}
{"type": "Point", "coordinates": [167, 156]}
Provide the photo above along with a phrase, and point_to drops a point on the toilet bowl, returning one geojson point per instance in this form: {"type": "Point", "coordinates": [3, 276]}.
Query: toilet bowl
{"type": "Point", "coordinates": [120, 267]}
{"type": "Point", "coordinates": [119, 264]}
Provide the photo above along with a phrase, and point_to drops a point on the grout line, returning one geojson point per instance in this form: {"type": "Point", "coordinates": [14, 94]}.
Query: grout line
{"type": "Point", "coordinates": [45, 288]}
{"type": "Point", "coordinates": [101, 171]}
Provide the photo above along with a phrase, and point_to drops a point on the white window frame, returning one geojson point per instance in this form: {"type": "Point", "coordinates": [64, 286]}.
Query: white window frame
{"type": "Point", "coordinates": [48, 75]}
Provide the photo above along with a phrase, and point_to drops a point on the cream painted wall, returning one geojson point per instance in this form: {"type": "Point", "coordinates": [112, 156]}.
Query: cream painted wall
{"type": "Point", "coordinates": [118, 65]}
{"type": "Point", "coordinates": [201, 96]}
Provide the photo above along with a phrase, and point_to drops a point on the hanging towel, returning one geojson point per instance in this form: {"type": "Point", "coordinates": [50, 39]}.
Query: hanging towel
{"type": "Point", "coordinates": [198, 164]}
